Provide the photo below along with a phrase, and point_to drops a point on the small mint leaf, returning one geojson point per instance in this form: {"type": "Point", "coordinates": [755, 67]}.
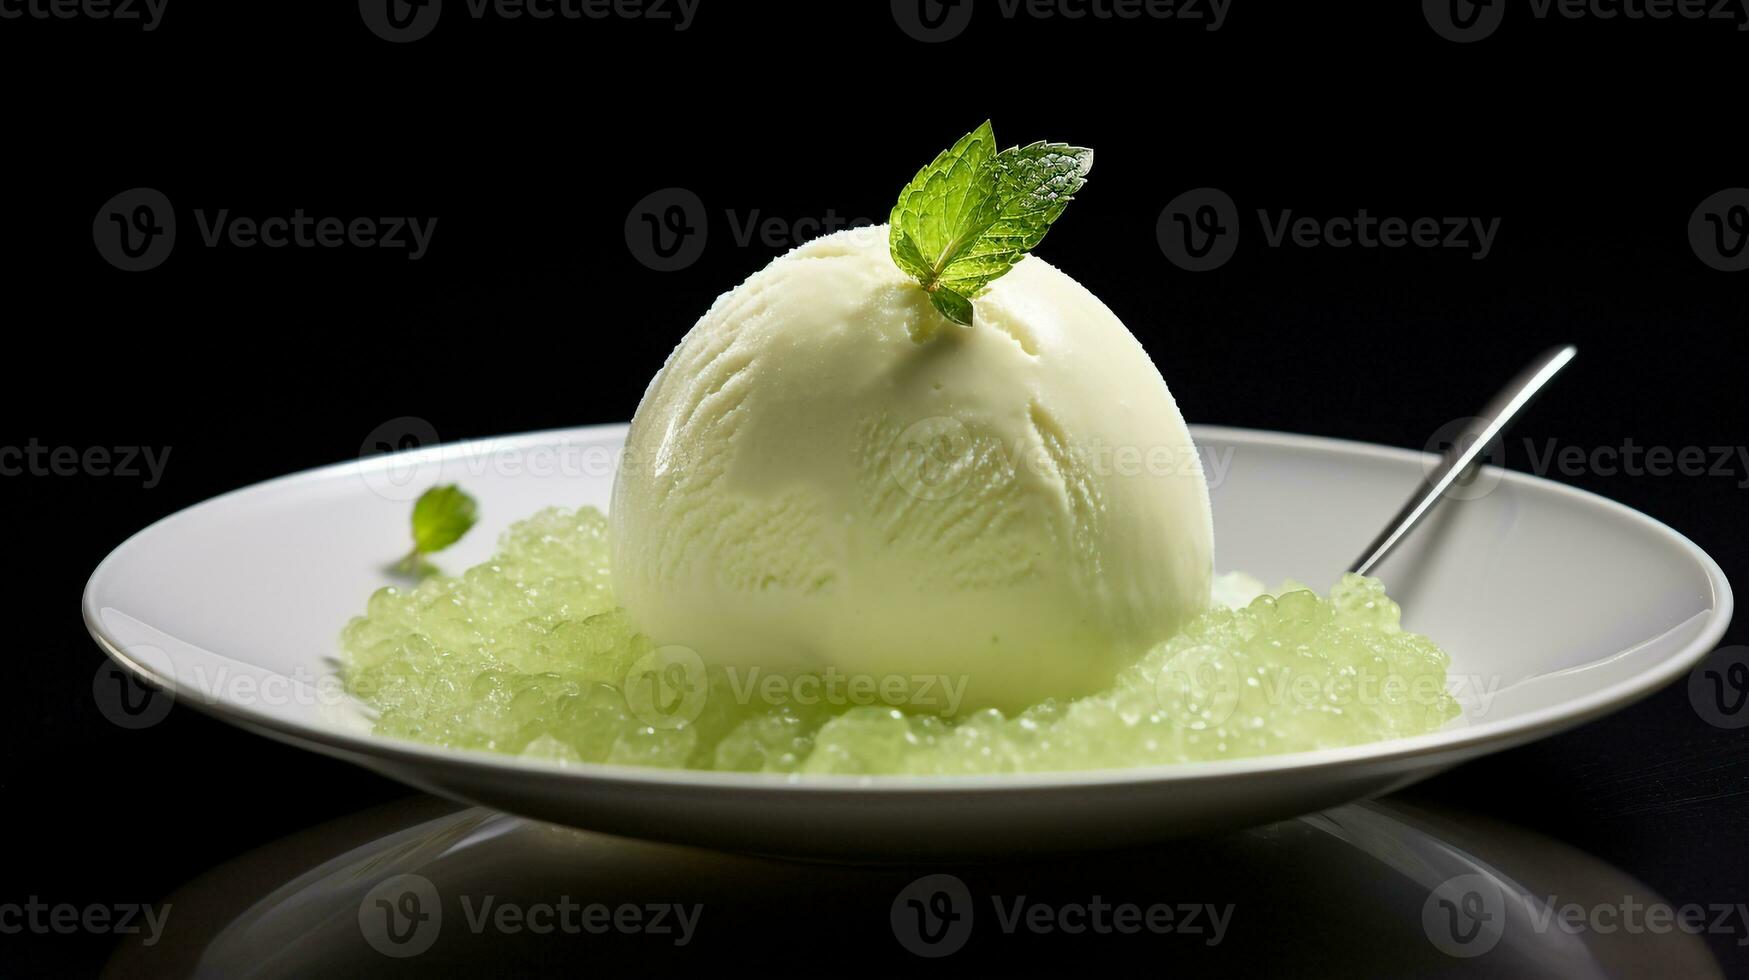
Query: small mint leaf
{"type": "Point", "coordinates": [946, 207]}
{"type": "Point", "coordinates": [952, 305]}
{"type": "Point", "coordinates": [440, 518]}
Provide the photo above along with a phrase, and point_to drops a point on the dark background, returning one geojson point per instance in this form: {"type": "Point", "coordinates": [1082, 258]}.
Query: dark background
{"type": "Point", "coordinates": [531, 142]}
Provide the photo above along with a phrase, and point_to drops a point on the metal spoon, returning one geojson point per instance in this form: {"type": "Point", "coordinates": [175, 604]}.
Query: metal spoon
{"type": "Point", "coordinates": [1467, 447]}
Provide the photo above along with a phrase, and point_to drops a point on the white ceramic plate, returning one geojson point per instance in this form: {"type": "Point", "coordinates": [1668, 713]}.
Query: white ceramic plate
{"type": "Point", "coordinates": [1556, 605]}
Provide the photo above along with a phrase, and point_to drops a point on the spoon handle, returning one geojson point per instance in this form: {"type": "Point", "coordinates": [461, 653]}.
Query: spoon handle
{"type": "Point", "coordinates": [1467, 446]}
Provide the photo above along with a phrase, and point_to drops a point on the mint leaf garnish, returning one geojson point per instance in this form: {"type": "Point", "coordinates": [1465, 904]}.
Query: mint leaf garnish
{"type": "Point", "coordinates": [969, 216]}
{"type": "Point", "coordinates": [440, 518]}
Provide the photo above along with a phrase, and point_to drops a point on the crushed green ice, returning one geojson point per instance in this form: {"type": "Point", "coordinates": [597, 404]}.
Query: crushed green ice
{"type": "Point", "coordinates": [528, 654]}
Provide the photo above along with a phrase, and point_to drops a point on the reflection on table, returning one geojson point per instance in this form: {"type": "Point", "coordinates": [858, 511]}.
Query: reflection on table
{"type": "Point", "coordinates": [429, 887]}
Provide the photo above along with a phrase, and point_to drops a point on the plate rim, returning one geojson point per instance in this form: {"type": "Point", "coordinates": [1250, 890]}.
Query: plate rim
{"type": "Point", "coordinates": [1468, 740]}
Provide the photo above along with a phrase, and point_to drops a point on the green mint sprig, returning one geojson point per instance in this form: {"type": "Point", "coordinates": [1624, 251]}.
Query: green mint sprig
{"type": "Point", "coordinates": [441, 516]}
{"type": "Point", "coordinates": [969, 216]}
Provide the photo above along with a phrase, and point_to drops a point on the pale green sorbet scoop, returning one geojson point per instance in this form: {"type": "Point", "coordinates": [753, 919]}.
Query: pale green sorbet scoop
{"type": "Point", "coordinates": [828, 474]}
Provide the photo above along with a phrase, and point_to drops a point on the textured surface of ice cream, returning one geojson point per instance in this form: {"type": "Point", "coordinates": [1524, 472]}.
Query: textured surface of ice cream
{"type": "Point", "coordinates": [827, 474]}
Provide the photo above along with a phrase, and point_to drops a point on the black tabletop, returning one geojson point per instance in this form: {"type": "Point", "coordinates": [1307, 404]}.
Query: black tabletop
{"type": "Point", "coordinates": [489, 164]}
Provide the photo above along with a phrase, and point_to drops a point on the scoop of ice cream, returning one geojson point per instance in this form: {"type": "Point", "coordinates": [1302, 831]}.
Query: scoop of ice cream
{"type": "Point", "coordinates": [828, 474]}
